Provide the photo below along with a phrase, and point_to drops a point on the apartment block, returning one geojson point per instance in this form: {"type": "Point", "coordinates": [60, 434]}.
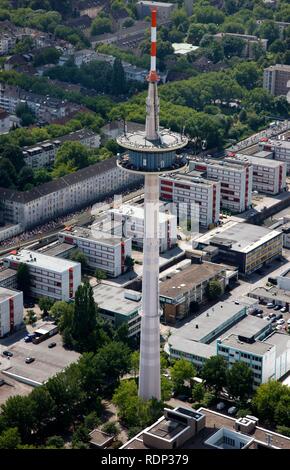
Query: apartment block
{"type": "Point", "coordinates": [269, 176]}
{"type": "Point", "coordinates": [280, 149]}
{"type": "Point", "coordinates": [187, 190]}
{"type": "Point", "coordinates": [236, 182]}
{"type": "Point", "coordinates": [66, 194]}
{"type": "Point", "coordinates": [128, 221]}
{"type": "Point", "coordinates": [249, 40]}
{"type": "Point", "coordinates": [276, 79]}
{"type": "Point", "coordinates": [164, 9]}
{"type": "Point", "coordinates": [49, 276]}
{"type": "Point", "coordinates": [43, 154]}
{"type": "Point", "coordinates": [11, 310]}
{"type": "Point", "coordinates": [102, 251]}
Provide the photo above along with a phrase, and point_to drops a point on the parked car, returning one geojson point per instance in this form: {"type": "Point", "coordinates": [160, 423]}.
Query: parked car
{"type": "Point", "coordinates": [284, 309]}
{"type": "Point", "coordinates": [259, 310]}
{"type": "Point", "coordinates": [52, 345]}
{"type": "Point", "coordinates": [279, 316]}
{"type": "Point", "coordinates": [270, 305]}
{"type": "Point", "coordinates": [281, 321]}
{"type": "Point", "coordinates": [220, 405]}
{"type": "Point", "coordinates": [232, 410]}
{"type": "Point", "coordinates": [29, 360]}
{"type": "Point", "coordinates": [272, 315]}
{"type": "Point", "coordinates": [273, 320]}
{"type": "Point", "coordinates": [278, 327]}
{"type": "Point", "coordinates": [7, 353]}
{"type": "Point", "coordinates": [277, 307]}
{"type": "Point", "coordinates": [260, 315]}
{"type": "Point", "coordinates": [268, 318]}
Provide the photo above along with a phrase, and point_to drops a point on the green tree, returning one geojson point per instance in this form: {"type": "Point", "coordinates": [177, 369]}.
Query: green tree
{"type": "Point", "coordinates": [31, 317]}
{"type": "Point", "coordinates": [79, 257]}
{"type": "Point", "coordinates": [213, 289]}
{"type": "Point", "coordinates": [84, 321]}
{"type": "Point", "coordinates": [135, 359]}
{"type": "Point", "coordinates": [45, 304]}
{"type": "Point", "coordinates": [267, 398]}
{"type": "Point", "coordinates": [60, 309]}
{"type": "Point", "coordinates": [214, 372]}
{"type": "Point", "coordinates": [17, 412]}
{"type": "Point", "coordinates": [114, 361]}
{"type": "Point", "coordinates": [10, 439]}
{"type": "Point", "coordinates": [129, 263]}
{"type": "Point", "coordinates": [13, 153]}
{"type": "Point", "coordinates": [55, 442]}
{"type": "Point", "coordinates": [198, 392]}
{"type": "Point", "coordinates": [111, 428]}
{"type": "Point", "coordinates": [23, 279]}
{"type": "Point", "coordinates": [101, 25]}
{"type": "Point", "coordinates": [247, 74]}
{"type": "Point", "coordinates": [181, 371]}
{"type": "Point", "coordinates": [166, 388]}
{"type": "Point", "coordinates": [100, 275]}
{"type": "Point", "coordinates": [239, 380]}
{"type": "Point", "coordinates": [118, 83]}
{"type": "Point", "coordinates": [81, 438]}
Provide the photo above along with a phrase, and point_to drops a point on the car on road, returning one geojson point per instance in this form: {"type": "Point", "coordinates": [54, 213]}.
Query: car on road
{"type": "Point", "coordinates": [7, 353]}
{"type": "Point", "coordinates": [29, 360]}
{"type": "Point", "coordinates": [52, 345]}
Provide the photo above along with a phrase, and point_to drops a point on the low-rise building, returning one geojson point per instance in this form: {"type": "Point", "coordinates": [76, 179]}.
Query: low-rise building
{"type": "Point", "coordinates": [236, 182]}
{"type": "Point", "coordinates": [196, 196]}
{"type": "Point", "coordinates": [128, 221]}
{"type": "Point", "coordinates": [49, 276]}
{"type": "Point", "coordinates": [11, 310]}
{"type": "Point", "coordinates": [280, 149]}
{"type": "Point", "coordinates": [66, 194]}
{"type": "Point", "coordinates": [249, 40]}
{"type": "Point", "coordinates": [188, 287]}
{"type": "Point", "coordinates": [118, 305]}
{"type": "Point", "coordinates": [269, 176]}
{"type": "Point", "coordinates": [43, 154]}
{"type": "Point", "coordinates": [164, 10]}
{"type": "Point", "coordinates": [185, 428]}
{"type": "Point", "coordinates": [101, 250]}
{"type": "Point", "coordinates": [8, 278]}
{"type": "Point", "coordinates": [247, 246]}
{"type": "Point", "coordinates": [277, 79]}
{"type": "Point", "coordinates": [268, 359]}
{"type": "Point", "coordinates": [283, 280]}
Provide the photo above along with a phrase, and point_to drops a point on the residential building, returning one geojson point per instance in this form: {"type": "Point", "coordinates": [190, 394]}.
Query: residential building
{"type": "Point", "coordinates": [11, 310]}
{"type": "Point", "coordinates": [118, 306]}
{"type": "Point", "coordinates": [268, 359]}
{"type": "Point", "coordinates": [9, 231]}
{"type": "Point", "coordinates": [251, 42]}
{"type": "Point", "coordinates": [6, 123]}
{"type": "Point", "coordinates": [247, 246]}
{"type": "Point", "coordinates": [128, 221]}
{"type": "Point", "coordinates": [277, 79]}
{"type": "Point", "coordinates": [185, 428]}
{"type": "Point", "coordinates": [8, 278]}
{"type": "Point", "coordinates": [164, 10]}
{"type": "Point", "coordinates": [68, 193]}
{"type": "Point", "coordinates": [102, 251]}
{"type": "Point", "coordinates": [269, 176]}
{"type": "Point", "coordinates": [192, 193]}
{"type": "Point", "coordinates": [49, 276]}
{"type": "Point", "coordinates": [45, 108]}
{"type": "Point", "coordinates": [286, 235]}
{"type": "Point", "coordinates": [235, 180]}
{"type": "Point", "coordinates": [43, 154]}
{"type": "Point", "coordinates": [188, 287]}
{"type": "Point", "coordinates": [280, 149]}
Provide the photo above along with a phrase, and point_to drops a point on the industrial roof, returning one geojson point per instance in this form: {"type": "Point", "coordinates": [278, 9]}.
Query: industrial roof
{"type": "Point", "coordinates": [259, 347]}
{"type": "Point", "coordinates": [49, 263]}
{"type": "Point", "coordinates": [191, 347]}
{"type": "Point", "coordinates": [112, 298]}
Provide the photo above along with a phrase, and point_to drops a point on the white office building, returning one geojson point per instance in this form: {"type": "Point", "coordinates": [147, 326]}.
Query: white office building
{"type": "Point", "coordinates": [269, 176]}
{"type": "Point", "coordinates": [102, 251]}
{"type": "Point", "coordinates": [128, 220]}
{"type": "Point", "coordinates": [236, 182]}
{"type": "Point", "coordinates": [11, 310]}
{"type": "Point", "coordinates": [49, 276]}
{"type": "Point", "coordinates": [193, 192]}
{"type": "Point", "coordinates": [280, 149]}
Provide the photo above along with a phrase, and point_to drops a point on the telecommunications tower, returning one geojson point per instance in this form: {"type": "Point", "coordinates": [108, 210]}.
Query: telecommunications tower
{"type": "Point", "coordinates": [151, 152]}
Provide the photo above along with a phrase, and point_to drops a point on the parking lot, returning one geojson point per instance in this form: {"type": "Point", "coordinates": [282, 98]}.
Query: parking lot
{"type": "Point", "coordinates": [270, 312]}
{"type": "Point", "coordinates": [48, 362]}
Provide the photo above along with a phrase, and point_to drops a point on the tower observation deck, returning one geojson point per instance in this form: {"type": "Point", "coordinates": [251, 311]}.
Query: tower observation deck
{"type": "Point", "coordinates": [151, 152]}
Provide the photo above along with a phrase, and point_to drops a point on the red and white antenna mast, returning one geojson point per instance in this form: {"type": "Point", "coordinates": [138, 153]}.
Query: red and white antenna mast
{"type": "Point", "coordinates": [153, 77]}
{"type": "Point", "coordinates": [152, 101]}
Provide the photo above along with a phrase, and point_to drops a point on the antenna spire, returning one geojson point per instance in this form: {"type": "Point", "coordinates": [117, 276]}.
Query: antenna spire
{"type": "Point", "coordinates": [152, 101]}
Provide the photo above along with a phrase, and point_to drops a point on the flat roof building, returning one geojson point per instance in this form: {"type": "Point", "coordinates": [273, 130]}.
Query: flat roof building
{"type": "Point", "coordinates": [245, 245]}
{"type": "Point", "coordinates": [119, 305]}
{"type": "Point", "coordinates": [276, 79]}
{"type": "Point", "coordinates": [280, 149]}
{"type": "Point", "coordinates": [11, 310]}
{"type": "Point", "coordinates": [49, 276]}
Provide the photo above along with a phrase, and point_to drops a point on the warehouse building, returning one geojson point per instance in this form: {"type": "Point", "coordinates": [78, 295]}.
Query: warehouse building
{"type": "Point", "coordinates": [247, 246]}
{"type": "Point", "coordinates": [49, 277]}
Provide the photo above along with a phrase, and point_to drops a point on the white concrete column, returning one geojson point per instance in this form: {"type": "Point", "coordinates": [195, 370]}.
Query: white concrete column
{"type": "Point", "coordinates": [149, 377]}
